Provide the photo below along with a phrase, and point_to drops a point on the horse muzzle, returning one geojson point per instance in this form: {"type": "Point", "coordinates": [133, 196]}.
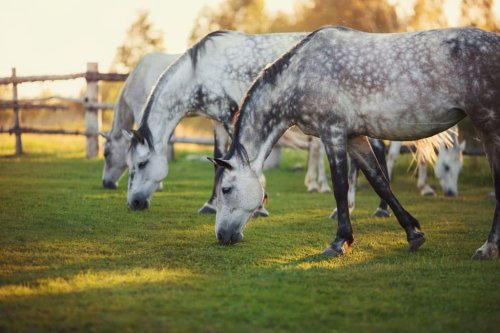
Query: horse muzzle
{"type": "Point", "coordinates": [138, 203]}
{"type": "Point", "coordinates": [226, 237]}
{"type": "Point", "coordinates": [109, 184]}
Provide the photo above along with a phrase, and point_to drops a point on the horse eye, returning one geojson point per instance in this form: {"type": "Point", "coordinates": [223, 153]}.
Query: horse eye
{"type": "Point", "coordinates": [226, 190]}
{"type": "Point", "coordinates": [446, 167]}
{"type": "Point", "coordinates": [142, 165]}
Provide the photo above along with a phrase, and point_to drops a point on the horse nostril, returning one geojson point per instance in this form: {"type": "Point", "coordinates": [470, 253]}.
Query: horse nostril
{"type": "Point", "coordinates": [450, 193]}
{"type": "Point", "coordinates": [219, 236]}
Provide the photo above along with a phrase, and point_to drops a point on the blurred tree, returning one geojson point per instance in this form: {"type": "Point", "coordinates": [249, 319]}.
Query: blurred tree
{"type": "Point", "coordinates": [366, 15]}
{"type": "Point", "coordinates": [242, 15]}
{"type": "Point", "coordinates": [428, 14]}
{"type": "Point", "coordinates": [141, 38]}
{"type": "Point", "coordinates": [480, 13]}
{"type": "Point", "coordinates": [250, 16]}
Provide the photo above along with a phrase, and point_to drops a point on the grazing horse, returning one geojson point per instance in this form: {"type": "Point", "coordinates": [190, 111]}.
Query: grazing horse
{"type": "Point", "coordinates": [209, 79]}
{"type": "Point", "coordinates": [343, 85]}
{"type": "Point", "coordinates": [127, 110]}
{"type": "Point", "coordinates": [447, 168]}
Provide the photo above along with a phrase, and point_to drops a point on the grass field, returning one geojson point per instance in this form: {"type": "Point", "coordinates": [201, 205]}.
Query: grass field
{"type": "Point", "coordinates": [74, 258]}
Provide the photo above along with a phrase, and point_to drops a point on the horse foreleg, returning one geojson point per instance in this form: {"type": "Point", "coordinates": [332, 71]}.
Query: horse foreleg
{"type": "Point", "coordinates": [322, 180]}
{"type": "Point", "coordinates": [360, 149]}
{"type": "Point", "coordinates": [378, 147]}
{"type": "Point", "coordinates": [392, 156]}
{"type": "Point", "coordinates": [422, 185]}
{"type": "Point", "coordinates": [351, 193]}
{"type": "Point", "coordinates": [221, 140]}
{"type": "Point", "coordinates": [313, 158]}
{"type": "Point", "coordinates": [335, 141]}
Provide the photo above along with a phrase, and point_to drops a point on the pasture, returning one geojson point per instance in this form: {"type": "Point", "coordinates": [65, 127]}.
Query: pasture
{"type": "Point", "coordinates": [74, 258]}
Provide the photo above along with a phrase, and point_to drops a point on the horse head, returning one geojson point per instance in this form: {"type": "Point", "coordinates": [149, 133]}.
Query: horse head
{"type": "Point", "coordinates": [448, 166]}
{"type": "Point", "coordinates": [239, 194]}
{"type": "Point", "coordinates": [115, 158]}
{"type": "Point", "coordinates": [147, 168]}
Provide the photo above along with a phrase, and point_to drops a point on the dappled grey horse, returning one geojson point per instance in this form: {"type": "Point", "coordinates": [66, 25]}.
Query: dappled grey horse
{"type": "Point", "coordinates": [343, 85]}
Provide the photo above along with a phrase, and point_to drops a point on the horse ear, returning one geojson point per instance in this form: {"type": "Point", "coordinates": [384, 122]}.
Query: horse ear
{"type": "Point", "coordinates": [104, 135]}
{"type": "Point", "coordinates": [127, 135]}
{"type": "Point", "coordinates": [137, 136]}
{"type": "Point", "coordinates": [221, 163]}
{"type": "Point", "coordinates": [462, 145]}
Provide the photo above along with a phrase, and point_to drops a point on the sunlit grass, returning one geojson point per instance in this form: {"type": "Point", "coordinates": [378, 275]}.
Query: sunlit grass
{"type": "Point", "coordinates": [73, 257]}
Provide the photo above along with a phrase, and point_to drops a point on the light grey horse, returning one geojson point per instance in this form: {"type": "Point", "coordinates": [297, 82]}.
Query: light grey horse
{"type": "Point", "coordinates": [127, 111]}
{"type": "Point", "coordinates": [343, 85]}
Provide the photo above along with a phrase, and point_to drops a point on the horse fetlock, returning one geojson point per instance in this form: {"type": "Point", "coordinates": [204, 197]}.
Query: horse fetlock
{"type": "Point", "coordinates": [487, 251]}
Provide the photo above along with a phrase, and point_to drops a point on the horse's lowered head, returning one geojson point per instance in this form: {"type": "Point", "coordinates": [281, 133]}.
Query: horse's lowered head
{"type": "Point", "coordinates": [239, 194]}
{"type": "Point", "coordinates": [448, 166]}
{"type": "Point", "coordinates": [115, 158]}
{"type": "Point", "coordinates": [147, 168]}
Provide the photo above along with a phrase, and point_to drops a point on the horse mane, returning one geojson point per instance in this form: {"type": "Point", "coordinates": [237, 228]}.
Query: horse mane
{"type": "Point", "coordinates": [195, 51]}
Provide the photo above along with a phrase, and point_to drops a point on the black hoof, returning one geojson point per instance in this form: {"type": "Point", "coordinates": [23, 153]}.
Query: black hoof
{"type": "Point", "coordinates": [207, 209]}
{"type": "Point", "coordinates": [261, 212]}
{"type": "Point", "coordinates": [415, 244]}
{"type": "Point", "coordinates": [381, 213]}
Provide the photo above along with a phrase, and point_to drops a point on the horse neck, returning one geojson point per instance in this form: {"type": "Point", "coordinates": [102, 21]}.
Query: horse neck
{"type": "Point", "coordinates": [169, 102]}
{"type": "Point", "coordinates": [258, 132]}
{"type": "Point", "coordinates": [123, 117]}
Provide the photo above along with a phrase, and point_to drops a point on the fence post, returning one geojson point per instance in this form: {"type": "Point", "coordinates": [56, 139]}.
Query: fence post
{"type": "Point", "coordinates": [17, 115]}
{"type": "Point", "coordinates": [92, 115]}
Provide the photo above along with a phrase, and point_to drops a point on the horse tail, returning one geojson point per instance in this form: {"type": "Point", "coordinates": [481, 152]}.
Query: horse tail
{"type": "Point", "coordinates": [425, 149]}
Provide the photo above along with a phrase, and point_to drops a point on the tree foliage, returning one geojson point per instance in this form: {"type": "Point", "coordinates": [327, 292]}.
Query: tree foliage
{"type": "Point", "coordinates": [142, 38]}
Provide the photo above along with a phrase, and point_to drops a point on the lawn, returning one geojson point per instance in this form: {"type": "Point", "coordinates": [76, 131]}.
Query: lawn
{"type": "Point", "coordinates": [74, 258]}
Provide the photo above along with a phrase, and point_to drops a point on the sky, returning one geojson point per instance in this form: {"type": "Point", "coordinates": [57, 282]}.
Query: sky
{"type": "Point", "coordinates": [41, 37]}
{"type": "Point", "coordinates": [60, 36]}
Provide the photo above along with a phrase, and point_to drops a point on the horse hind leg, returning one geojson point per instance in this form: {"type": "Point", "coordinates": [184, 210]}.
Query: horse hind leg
{"type": "Point", "coordinates": [360, 149]}
{"type": "Point", "coordinates": [351, 193]}
{"type": "Point", "coordinates": [490, 249]}
{"type": "Point", "coordinates": [425, 189]}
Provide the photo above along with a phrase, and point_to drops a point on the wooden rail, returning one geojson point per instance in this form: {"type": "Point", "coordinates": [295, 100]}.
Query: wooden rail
{"type": "Point", "coordinates": [90, 102]}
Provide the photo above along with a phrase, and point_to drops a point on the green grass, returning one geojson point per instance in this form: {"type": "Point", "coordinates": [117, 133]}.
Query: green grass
{"type": "Point", "coordinates": [74, 258]}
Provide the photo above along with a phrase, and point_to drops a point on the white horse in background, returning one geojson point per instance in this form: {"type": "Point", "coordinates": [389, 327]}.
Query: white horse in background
{"type": "Point", "coordinates": [127, 111]}
{"type": "Point", "coordinates": [446, 168]}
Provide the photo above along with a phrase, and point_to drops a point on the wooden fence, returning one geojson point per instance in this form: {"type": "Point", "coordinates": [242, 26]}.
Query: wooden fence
{"type": "Point", "coordinates": [90, 102]}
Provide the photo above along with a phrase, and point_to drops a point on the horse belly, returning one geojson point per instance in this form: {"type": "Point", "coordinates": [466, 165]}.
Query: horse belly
{"type": "Point", "coordinates": [409, 125]}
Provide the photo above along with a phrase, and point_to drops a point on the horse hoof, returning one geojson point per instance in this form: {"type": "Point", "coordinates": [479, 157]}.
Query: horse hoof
{"type": "Point", "coordinates": [334, 215]}
{"type": "Point", "coordinates": [325, 189]}
{"type": "Point", "coordinates": [207, 209]}
{"type": "Point", "coordinates": [487, 251]}
{"type": "Point", "coordinates": [415, 244]}
{"type": "Point", "coordinates": [312, 190]}
{"type": "Point", "coordinates": [261, 212]}
{"type": "Point", "coordinates": [329, 251]}
{"type": "Point", "coordinates": [381, 213]}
